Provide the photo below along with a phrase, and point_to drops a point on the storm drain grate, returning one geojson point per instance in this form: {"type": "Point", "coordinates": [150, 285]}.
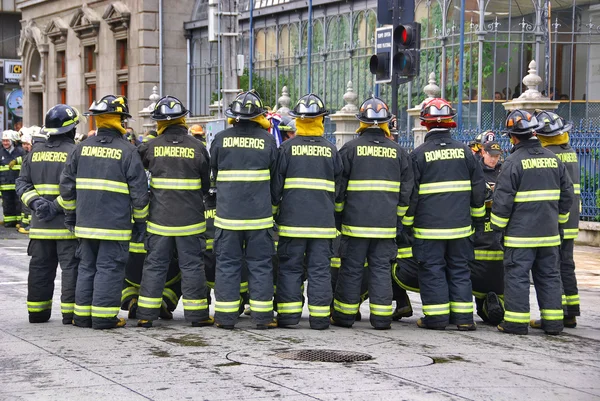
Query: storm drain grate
{"type": "Point", "coordinates": [324, 355]}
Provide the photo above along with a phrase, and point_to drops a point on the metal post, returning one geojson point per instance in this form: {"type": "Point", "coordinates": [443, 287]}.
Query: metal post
{"type": "Point", "coordinates": [160, 47]}
{"type": "Point", "coordinates": [461, 63]}
{"type": "Point", "coordinates": [310, 38]}
{"type": "Point", "coordinates": [481, 38]}
{"type": "Point", "coordinates": [444, 39]}
{"type": "Point", "coordinates": [394, 84]}
{"type": "Point", "coordinates": [251, 57]}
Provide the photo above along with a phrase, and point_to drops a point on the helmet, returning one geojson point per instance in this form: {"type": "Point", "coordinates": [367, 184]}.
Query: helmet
{"type": "Point", "coordinates": [287, 125]}
{"type": "Point", "coordinates": [436, 110]}
{"type": "Point", "coordinates": [553, 124]}
{"type": "Point", "coordinates": [196, 130]}
{"type": "Point", "coordinates": [10, 135]}
{"type": "Point", "coordinates": [521, 122]}
{"type": "Point", "coordinates": [374, 111]}
{"type": "Point", "coordinates": [309, 106]}
{"type": "Point", "coordinates": [60, 119]}
{"type": "Point", "coordinates": [246, 106]}
{"type": "Point", "coordinates": [109, 104]}
{"type": "Point", "coordinates": [26, 137]}
{"type": "Point", "coordinates": [168, 108]}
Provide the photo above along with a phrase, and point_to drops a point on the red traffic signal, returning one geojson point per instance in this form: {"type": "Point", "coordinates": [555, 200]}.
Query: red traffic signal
{"type": "Point", "coordinates": [404, 36]}
{"type": "Point", "coordinates": [407, 43]}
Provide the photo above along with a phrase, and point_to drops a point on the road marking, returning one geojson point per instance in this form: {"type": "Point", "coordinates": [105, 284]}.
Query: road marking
{"type": "Point", "coordinates": [14, 283]}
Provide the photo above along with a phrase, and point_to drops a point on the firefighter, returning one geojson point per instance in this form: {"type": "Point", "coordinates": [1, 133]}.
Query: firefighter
{"type": "Point", "coordinates": [26, 143]}
{"type": "Point", "coordinates": [450, 196]}
{"type": "Point", "coordinates": [533, 196]}
{"type": "Point", "coordinates": [50, 242]}
{"type": "Point", "coordinates": [102, 182]}
{"type": "Point", "coordinates": [242, 160]}
{"type": "Point", "coordinates": [10, 151]}
{"type": "Point", "coordinates": [554, 136]}
{"type": "Point", "coordinates": [179, 169]}
{"type": "Point", "coordinates": [197, 132]}
{"type": "Point", "coordinates": [304, 188]}
{"type": "Point", "coordinates": [376, 185]}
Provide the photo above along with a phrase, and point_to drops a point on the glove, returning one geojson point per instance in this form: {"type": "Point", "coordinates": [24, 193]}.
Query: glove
{"type": "Point", "coordinates": [70, 220]}
{"type": "Point", "coordinates": [138, 232]}
{"type": "Point", "coordinates": [498, 239]}
{"type": "Point", "coordinates": [36, 203]}
{"type": "Point", "coordinates": [12, 164]}
{"type": "Point", "coordinates": [46, 211]}
{"type": "Point", "coordinates": [405, 236]}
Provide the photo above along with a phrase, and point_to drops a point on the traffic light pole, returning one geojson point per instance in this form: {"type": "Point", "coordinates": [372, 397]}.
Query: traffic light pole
{"type": "Point", "coordinates": [395, 82]}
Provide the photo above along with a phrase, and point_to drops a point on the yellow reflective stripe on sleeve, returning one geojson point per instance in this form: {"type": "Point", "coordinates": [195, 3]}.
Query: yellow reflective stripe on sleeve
{"type": "Point", "coordinates": [373, 185]}
{"type": "Point", "coordinates": [401, 210]}
{"type": "Point", "coordinates": [570, 233]}
{"type": "Point", "coordinates": [243, 175]}
{"type": "Point", "coordinates": [309, 183]}
{"type": "Point", "coordinates": [369, 232]}
{"type": "Point", "coordinates": [176, 183]}
{"type": "Point", "coordinates": [564, 300]}
{"type": "Point", "coordinates": [227, 307]}
{"type": "Point", "coordinates": [140, 213]}
{"type": "Point", "coordinates": [261, 306]}
{"type": "Point", "coordinates": [443, 233]}
{"type": "Point", "coordinates": [194, 304]}
{"type": "Point", "coordinates": [335, 263]}
{"type": "Point", "coordinates": [563, 218]}
{"type": "Point", "coordinates": [29, 196]}
{"type": "Point", "coordinates": [149, 303]}
{"type": "Point", "coordinates": [444, 186]}
{"type": "Point", "coordinates": [436, 310]}
{"type": "Point", "coordinates": [318, 311]}
{"type": "Point", "coordinates": [461, 307]}
{"type": "Point", "coordinates": [180, 231]}
{"type": "Point", "coordinates": [255, 224]}
{"type": "Point", "coordinates": [408, 220]}
{"type": "Point", "coordinates": [102, 233]}
{"type": "Point", "coordinates": [67, 308]}
{"type": "Point", "coordinates": [67, 205]}
{"type": "Point", "coordinates": [572, 299]}
{"type": "Point", "coordinates": [484, 254]}
{"type": "Point", "coordinates": [307, 232]}
{"type": "Point", "coordinates": [536, 196]}
{"type": "Point", "coordinates": [346, 309]}
{"type": "Point", "coordinates": [274, 209]}
{"type": "Point", "coordinates": [38, 306]}
{"type": "Point", "coordinates": [339, 207]}
{"type": "Point", "coordinates": [137, 247]}
{"type": "Point", "coordinates": [96, 184]}
{"type": "Point", "coordinates": [404, 253]}
{"type": "Point", "coordinates": [577, 189]}
{"type": "Point", "coordinates": [381, 310]}
{"type": "Point", "coordinates": [552, 314]}
{"type": "Point", "coordinates": [499, 221]}
{"type": "Point", "coordinates": [50, 233]}
{"type": "Point", "coordinates": [517, 317]}
{"type": "Point", "coordinates": [47, 189]}
{"type": "Point", "coordinates": [289, 307]}
{"type": "Point", "coordinates": [129, 292]}
{"type": "Point", "coordinates": [524, 242]}
{"type": "Point", "coordinates": [7, 187]}
{"type": "Point", "coordinates": [478, 211]}
{"type": "Point", "coordinates": [83, 310]}
{"type": "Point", "coordinates": [105, 311]}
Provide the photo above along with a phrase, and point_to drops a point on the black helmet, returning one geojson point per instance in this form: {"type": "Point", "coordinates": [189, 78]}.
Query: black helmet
{"type": "Point", "coordinates": [309, 106]}
{"type": "Point", "coordinates": [168, 108]}
{"type": "Point", "coordinates": [553, 124]}
{"type": "Point", "coordinates": [246, 106]}
{"type": "Point", "coordinates": [521, 122]}
{"type": "Point", "coordinates": [60, 119]}
{"type": "Point", "coordinates": [109, 104]}
{"type": "Point", "coordinates": [374, 111]}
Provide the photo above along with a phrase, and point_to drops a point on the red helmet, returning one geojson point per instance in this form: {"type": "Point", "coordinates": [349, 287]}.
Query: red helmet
{"type": "Point", "coordinates": [437, 110]}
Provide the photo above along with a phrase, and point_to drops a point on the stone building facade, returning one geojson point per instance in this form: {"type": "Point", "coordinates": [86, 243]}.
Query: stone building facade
{"type": "Point", "coordinates": [76, 51]}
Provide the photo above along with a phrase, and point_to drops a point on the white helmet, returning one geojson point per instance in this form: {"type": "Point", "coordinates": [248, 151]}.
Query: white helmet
{"type": "Point", "coordinates": [10, 135]}
{"type": "Point", "coordinates": [26, 138]}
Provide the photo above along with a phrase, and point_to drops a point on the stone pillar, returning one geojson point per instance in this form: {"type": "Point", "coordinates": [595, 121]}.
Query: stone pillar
{"type": "Point", "coordinates": [531, 99]}
{"type": "Point", "coordinates": [345, 120]}
{"type": "Point", "coordinates": [284, 102]}
{"type": "Point", "coordinates": [432, 91]}
{"type": "Point", "coordinates": [147, 123]}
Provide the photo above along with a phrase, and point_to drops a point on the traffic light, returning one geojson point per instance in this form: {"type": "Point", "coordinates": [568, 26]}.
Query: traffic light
{"type": "Point", "coordinates": [380, 64]}
{"type": "Point", "coordinates": [407, 42]}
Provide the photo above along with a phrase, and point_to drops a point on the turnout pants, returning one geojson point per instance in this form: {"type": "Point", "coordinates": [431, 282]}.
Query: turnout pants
{"type": "Point", "coordinates": [379, 254]}
{"type": "Point", "coordinates": [45, 257]}
{"type": "Point", "coordinates": [231, 253]}
{"type": "Point", "coordinates": [444, 280]}
{"type": "Point", "coordinates": [569, 281]}
{"type": "Point", "coordinates": [210, 265]}
{"type": "Point", "coordinates": [11, 207]}
{"type": "Point", "coordinates": [193, 279]}
{"type": "Point", "coordinates": [99, 282]}
{"type": "Point", "coordinates": [291, 252]}
{"type": "Point", "coordinates": [546, 278]}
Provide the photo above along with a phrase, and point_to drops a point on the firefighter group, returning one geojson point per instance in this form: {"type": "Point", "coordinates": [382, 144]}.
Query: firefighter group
{"type": "Point", "coordinates": [144, 228]}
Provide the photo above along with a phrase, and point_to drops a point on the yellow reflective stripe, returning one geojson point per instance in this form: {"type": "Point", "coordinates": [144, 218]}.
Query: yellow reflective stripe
{"type": "Point", "coordinates": [227, 307]}
{"type": "Point", "coordinates": [461, 307]}
{"type": "Point", "coordinates": [564, 300]}
{"type": "Point", "coordinates": [243, 175]}
{"type": "Point", "coordinates": [132, 283]}
{"type": "Point", "coordinates": [373, 185]}
{"type": "Point", "coordinates": [317, 311]}
{"type": "Point", "coordinates": [67, 205]}
{"type": "Point", "coordinates": [166, 231]}
{"type": "Point", "coordinates": [498, 221]}
{"type": "Point", "coordinates": [255, 224]}
{"type": "Point", "coordinates": [524, 242]}
{"type": "Point", "coordinates": [261, 306]}
{"type": "Point", "coordinates": [10, 218]}
{"type": "Point", "coordinates": [444, 186]}
{"type": "Point", "coordinates": [408, 220]}
{"type": "Point", "coordinates": [552, 314]}
{"type": "Point", "coordinates": [572, 299]}
{"type": "Point", "coordinates": [309, 183]}
{"type": "Point", "coordinates": [67, 307]}
{"type": "Point", "coordinates": [173, 280]}
{"type": "Point", "coordinates": [483, 254]}
{"type": "Point", "coordinates": [274, 209]}
{"type": "Point", "coordinates": [171, 296]}
{"type": "Point", "coordinates": [50, 233]}
{"type": "Point", "coordinates": [209, 244]}
{"type": "Point", "coordinates": [443, 233]}
{"type": "Point", "coordinates": [38, 306]}
{"type": "Point", "coordinates": [97, 184]}
{"type": "Point", "coordinates": [83, 310]}
{"type": "Point", "coordinates": [479, 295]}
{"type": "Point", "coordinates": [346, 309]}
{"type": "Point", "coordinates": [47, 189]}
{"type": "Point", "coordinates": [137, 247]}
{"type": "Point", "coordinates": [478, 211]}
{"type": "Point", "coordinates": [7, 187]}
{"type": "Point", "coordinates": [563, 218]}
{"type": "Point", "coordinates": [401, 210]}
{"type": "Point", "coordinates": [194, 304]}
{"type": "Point", "coordinates": [149, 303]}
{"type": "Point", "coordinates": [29, 196]}
{"type": "Point", "coordinates": [517, 317]}
{"type": "Point", "coordinates": [176, 183]}
{"type": "Point", "coordinates": [404, 253]}
{"type": "Point", "coordinates": [339, 207]}
{"type": "Point", "coordinates": [436, 310]}
{"type": "Point", "coordinates": [243, 286]}
{"type": "Point", "coordinates": [381, 310]}
{"type": "Point", "coordinates": [336, 263]}
{"type": "Point", "coordinates": [536, 196]}
{"type": "Point", "coordinates": [369, 232]}
{"type": "Point", "coordinates": [570, 233]}
{"type": "Point", "coordinates": [105, 311]}
{"type": "Point", "coordinates": [140, 213]}
{"type": "Point", "coordinates": [129, 292]}
{"type": "Point", "coordinates": [102, 233]}
{"type": "Point", "coordinates": [577, 189]}
{"type": "Point", "coordinates": [307, 232]}
{"type": "Point", "coordinates": [289, 307]}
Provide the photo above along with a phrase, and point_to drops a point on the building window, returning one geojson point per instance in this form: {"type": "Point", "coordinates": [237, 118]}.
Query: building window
{"type": "Point", "coordinates": [121, 54]}
{"type": "Point", "coordinates": [62, 94]}
{"type": "Point", "coordinates": [123, 89]}
{"type": "Point", "coordinates": [90, 59]}
{"type": "Point", "coordinates": [91, 95]}
{"type": "Point", "coordinates": [61, 64]}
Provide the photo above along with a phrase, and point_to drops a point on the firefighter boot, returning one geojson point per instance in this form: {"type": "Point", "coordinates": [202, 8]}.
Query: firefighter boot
{"type": "Point", "coordinates": [466, 327]}
{"type": "Point", "coordinates": [118, 322]}
{"type": "Point", "coordinates": [165, 313]}
{"type": "Point", "coordinates": [144, 323]}
{"type": "Point", "coordinates": [204, 323]}
{"type": "Point", "coordinates": [570, 322]}
{"type": "Point", "coordinates": [493, 308]}
{"type": "Point", "coordinates": [537, 324]}
{"type": "Point", "coordinates": [421, 324]}
{"type": "Point", "coordinates": [264, 326]}
{"type": "Point", "coordinates": [509, 328]}
{"type": "Point", "coordinates": [132, 308]}
{"type": "Point", "coordinates": [403, 308]}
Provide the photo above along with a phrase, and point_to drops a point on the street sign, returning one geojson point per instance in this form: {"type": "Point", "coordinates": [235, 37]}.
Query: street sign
{"type": "Point", "coordinates": [381, 63]}
{"type": "Point", "coordinates": [13, 71]}
{"type": "Point", "coordinates": [406, 10]}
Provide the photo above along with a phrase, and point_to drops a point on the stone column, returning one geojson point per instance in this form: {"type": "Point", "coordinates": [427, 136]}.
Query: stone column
{"type": "Point", "coordinates": [284, 102]}
{"type": "Point", "coordinates": [147, 123]}
{"type": "Point", "coordinates": [432, 91]}
{"type": "Point", "coordinates": [531, 99]}
{"type": "Point", "coordinates": [345, 120]}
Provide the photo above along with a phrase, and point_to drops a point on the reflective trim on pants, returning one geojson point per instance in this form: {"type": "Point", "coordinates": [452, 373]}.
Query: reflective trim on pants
{"type": "Point", "coordinates": [318, 311]}
{"type": "Point", "coordinates": [552, 314]}
{"type": "Point", "coordinates": [195, 304]}
{"type": "Point", "coordinates": [261, 306]}
{"type": "Point", "coordinates": [289, 307]}
{"type": "Point", "coordinates": [83, 310]}
{"type": "Point", "coordinates": [461, 307]}
{"type": "Point", "coordinates": [572, 299]}
{"type": "Point", "coordinates": [436, 310]}
{"type": "Point", "coordinates": [67, 308]}
{"type": "Point", "coordinates": [346, 309]}
{"type": "Point", "coordinates": [227, 307]}
{"type": "Point", "coordinates": [381, 310]}
{"type": "Point", "coordinates": [518, 317]}
{"type": "Point", "coordinates": [105, 311]}
{"type": "Point", "coordinates": [150, 303]}
{"type": "Point", "coordinates": [39, 306]}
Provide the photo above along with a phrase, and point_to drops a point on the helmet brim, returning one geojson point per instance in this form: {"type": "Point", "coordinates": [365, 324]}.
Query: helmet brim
{"type": "Point", "coordinates": [229, 113]}
{"type": "Point", "coordinates": [292, 113]}
{"type": "Point", "coordinates": [163, 118]}
{"type": "Point", "coordinates": [372, 121]}
{"type": "Point", "coordinates": [98, 113]}
{"type": "Point", "coordinates": [566, 128]}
